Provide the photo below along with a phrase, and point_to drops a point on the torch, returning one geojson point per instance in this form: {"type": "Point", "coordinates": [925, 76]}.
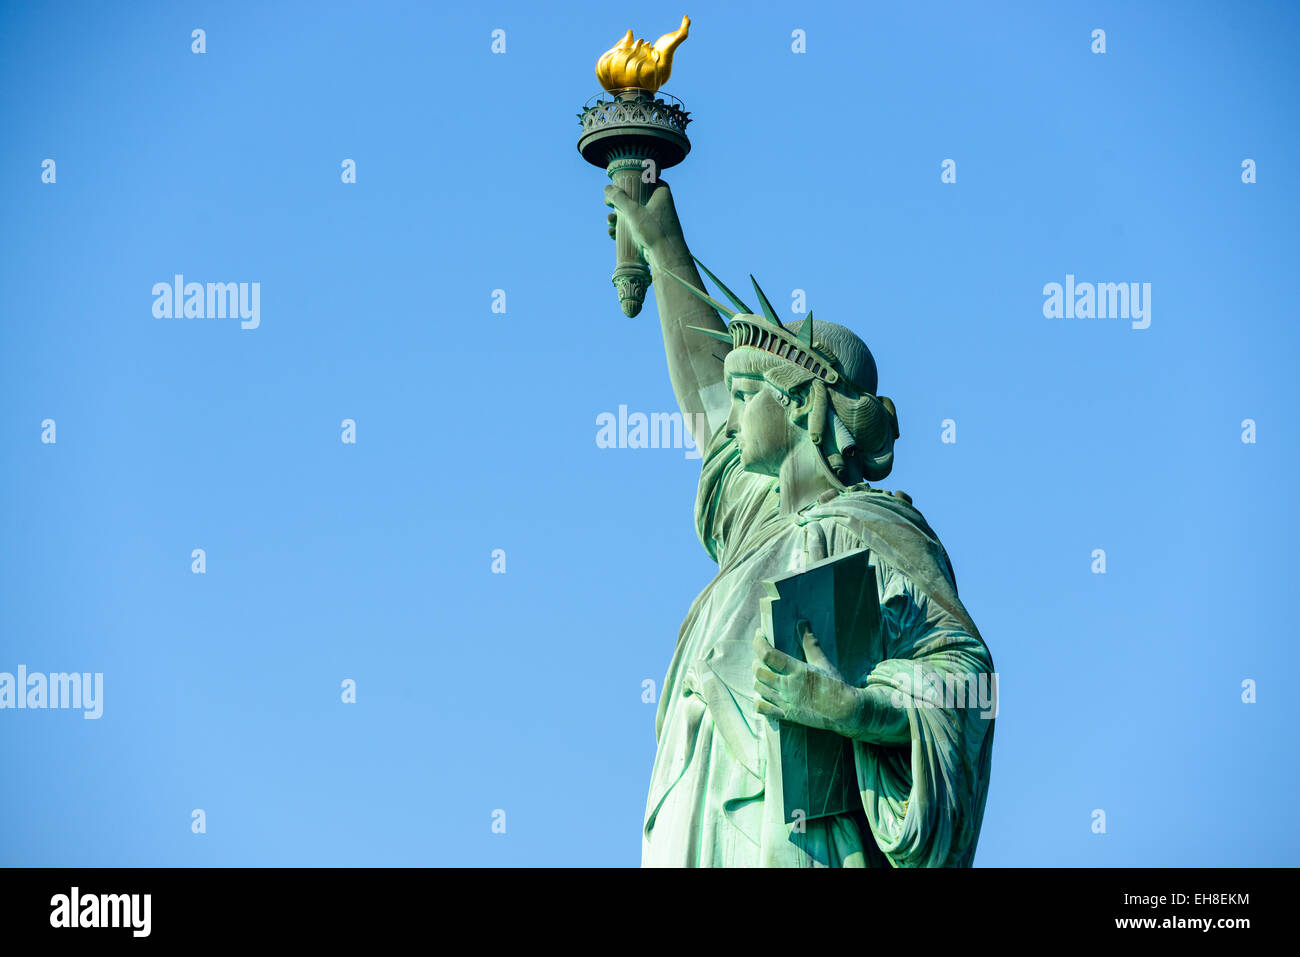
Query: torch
{"type": "Point", "coordinates": [634, 133]}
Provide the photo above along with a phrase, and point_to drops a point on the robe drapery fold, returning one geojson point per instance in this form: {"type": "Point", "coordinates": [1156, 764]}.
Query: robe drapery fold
{"type": "Point", "coordinates": [715, 791]}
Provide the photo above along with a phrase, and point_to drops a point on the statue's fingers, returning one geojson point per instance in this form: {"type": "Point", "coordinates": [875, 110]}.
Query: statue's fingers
{"type": "Point", "coordinates": [769, 709]}
{"type": "Point", "coordinates": [813, 652]}
{"type": "Point", "coordinates": [816, 656]}
{"type": "Point", "coordinates": [621, 201]}
{"type": "Point", "coordinates": [766, 676]}
{"type": "Point", "coordinates": [776, 660]}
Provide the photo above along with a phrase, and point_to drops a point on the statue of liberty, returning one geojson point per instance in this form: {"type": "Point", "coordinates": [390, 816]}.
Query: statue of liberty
{"type": "Point", "coordinates": [792, 432]}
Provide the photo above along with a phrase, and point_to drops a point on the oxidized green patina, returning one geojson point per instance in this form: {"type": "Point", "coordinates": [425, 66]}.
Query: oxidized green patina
{"type": "Point", "coordinates": [795, 433]}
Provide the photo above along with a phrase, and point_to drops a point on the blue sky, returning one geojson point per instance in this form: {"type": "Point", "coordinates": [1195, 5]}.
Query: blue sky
{"type": "Point", "coordinates": [476, 430]}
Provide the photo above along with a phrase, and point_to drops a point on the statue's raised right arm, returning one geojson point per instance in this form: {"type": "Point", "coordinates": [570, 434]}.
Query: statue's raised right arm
{"type": "Point", "coordinates": [694, 359]}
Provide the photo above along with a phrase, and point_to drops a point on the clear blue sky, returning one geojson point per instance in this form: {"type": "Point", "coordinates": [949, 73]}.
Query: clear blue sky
{"type": "Point", "coordinates": [476, 430]}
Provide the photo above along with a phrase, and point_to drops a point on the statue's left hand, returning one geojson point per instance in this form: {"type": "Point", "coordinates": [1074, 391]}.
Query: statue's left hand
{"type": "Point", "coordinates": [814, 694]}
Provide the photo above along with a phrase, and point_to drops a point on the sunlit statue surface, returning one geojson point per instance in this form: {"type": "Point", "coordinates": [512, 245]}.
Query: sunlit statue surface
{"type": "Point", "coordinates": [886, 731]}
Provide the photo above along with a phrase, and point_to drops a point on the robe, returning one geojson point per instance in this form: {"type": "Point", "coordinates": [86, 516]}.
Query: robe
{"type": "Point", "coordinates": [715, 789]}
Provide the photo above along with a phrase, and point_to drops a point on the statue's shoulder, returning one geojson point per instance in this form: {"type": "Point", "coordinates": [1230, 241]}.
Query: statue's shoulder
{"type": "Point", "coordinates": [863, 504]}
{"type": "Point", "coordinates": [893, 528]}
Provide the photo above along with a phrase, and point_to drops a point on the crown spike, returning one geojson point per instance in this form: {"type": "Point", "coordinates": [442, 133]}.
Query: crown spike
{"type": "Point", "coordinates": [703, 295]}
{"type": "Point", "coordinates": [809, 325]}
{"type": "Point", "coordinates": [768, 311]}
{"type": "Point", "coordinates": [720, 336]}
{"type": "Point", "coordinates": [735, 300]}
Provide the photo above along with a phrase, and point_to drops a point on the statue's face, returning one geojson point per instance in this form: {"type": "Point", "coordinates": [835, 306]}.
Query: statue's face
{"type": "Point", "coordinates": [762, 427]}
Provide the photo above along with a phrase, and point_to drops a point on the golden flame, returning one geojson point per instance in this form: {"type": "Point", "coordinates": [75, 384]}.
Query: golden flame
{"type": "Point", "coordinates": [635, 63]}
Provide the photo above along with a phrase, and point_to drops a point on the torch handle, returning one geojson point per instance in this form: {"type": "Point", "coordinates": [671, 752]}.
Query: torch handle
{"type": "Point", "coordinates": [631, 274]}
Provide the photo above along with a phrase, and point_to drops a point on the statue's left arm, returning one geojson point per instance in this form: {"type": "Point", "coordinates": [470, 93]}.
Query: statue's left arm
{"type": "Point", "coordinates": [924, 735]}
{"type": "Point", "coordinates": [921, 722]}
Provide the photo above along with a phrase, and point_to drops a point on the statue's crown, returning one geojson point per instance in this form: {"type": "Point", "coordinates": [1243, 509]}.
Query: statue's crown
{"type": "Point", "coordinates": [834, 355]}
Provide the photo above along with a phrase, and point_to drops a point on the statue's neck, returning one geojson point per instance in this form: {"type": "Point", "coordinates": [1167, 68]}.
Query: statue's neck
{"type": "Point", "coordinates": [802, 479]}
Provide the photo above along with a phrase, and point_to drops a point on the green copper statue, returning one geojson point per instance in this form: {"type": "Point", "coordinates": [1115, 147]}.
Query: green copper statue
{"type": "Point", "coordinates": [882, 724]}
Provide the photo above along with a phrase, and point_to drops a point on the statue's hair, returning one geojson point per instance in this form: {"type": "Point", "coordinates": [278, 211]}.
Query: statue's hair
{"type": "Point", "coordinates": [871, 422]}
